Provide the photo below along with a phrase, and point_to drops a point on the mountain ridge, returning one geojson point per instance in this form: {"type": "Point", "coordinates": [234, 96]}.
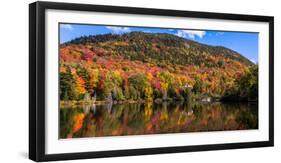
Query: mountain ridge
{"type": "Point", "coordinates": [144, 41]}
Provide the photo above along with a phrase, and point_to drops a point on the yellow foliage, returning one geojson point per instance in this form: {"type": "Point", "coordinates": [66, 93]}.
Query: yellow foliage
{"type": "Point", "coordinates": [148, 92]}
{"type": "Point", "coordinates": [164, 86]}
{"type": "Point", "coordinates": [80, 86]}
{"type": "Point", "coordinates": [164, 116]}
{"type": "Point", "coordinates": [148, 109]}
{"type": "Point", "coordinates": [94, 77]}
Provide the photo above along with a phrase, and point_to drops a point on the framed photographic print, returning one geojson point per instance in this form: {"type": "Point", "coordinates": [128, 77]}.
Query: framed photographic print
{"type": "Point", "coordinates": [118, 81]}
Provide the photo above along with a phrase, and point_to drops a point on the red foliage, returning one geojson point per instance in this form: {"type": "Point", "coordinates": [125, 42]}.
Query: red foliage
{"type": "Point", "coordinates": [88, 55]}
{"type": "Point", "coordinates": [156, 83]}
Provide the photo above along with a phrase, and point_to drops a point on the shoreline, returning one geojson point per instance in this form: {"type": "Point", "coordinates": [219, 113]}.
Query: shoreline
{"type": "Point", "coordinates": [75, 103]}
{"type": "Point", "coordinates": [72, 103]}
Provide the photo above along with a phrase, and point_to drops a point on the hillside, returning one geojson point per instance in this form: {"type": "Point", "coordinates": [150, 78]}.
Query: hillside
{"type": "Point", "coordinates": [160, 48]}
{"type": "Point", "coordinates": [139, 65]}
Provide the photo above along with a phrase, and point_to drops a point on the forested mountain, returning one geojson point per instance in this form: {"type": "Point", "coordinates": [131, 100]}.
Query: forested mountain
{"type": "Point", "coordinates": [140, 65]}
{"type": "Point", "coordinates": [159, 48]}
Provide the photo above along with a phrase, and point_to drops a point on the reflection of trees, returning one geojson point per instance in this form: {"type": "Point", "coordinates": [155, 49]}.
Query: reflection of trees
{"type": "Point", "coordinates": [219, 116]}
{"type": "Point", "coordinates": [93, 108]}
{"type": "Point", "coordinates": [150, 118]}
{"type": "Point", "coordinates": [70, 120]}
{"type": "Point", "coordinates": [86, 109]}
{"type": "Point", "coordinates": [108, 106]}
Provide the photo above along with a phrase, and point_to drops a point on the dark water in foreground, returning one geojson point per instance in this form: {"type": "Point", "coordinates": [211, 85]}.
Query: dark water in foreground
{"type": "Point", "coordinates": [151, 118]}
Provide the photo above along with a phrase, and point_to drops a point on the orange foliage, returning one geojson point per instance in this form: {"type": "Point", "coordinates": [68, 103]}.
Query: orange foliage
{"type": "Point", "coordinates": [78, 122]}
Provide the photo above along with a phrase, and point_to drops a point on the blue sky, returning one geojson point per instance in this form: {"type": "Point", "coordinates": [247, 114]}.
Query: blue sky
{"type": "Point", "coordinates": [243, 42]}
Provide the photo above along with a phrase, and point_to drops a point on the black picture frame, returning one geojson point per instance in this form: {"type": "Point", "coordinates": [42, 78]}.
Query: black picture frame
{"type": "Point", "coordinates": [37, 80]}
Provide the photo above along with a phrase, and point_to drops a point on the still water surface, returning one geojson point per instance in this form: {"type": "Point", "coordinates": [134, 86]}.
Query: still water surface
{"type": "Point", "coordinates": [150, 118]}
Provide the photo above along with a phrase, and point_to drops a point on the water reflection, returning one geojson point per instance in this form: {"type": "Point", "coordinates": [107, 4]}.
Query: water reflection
{"type": "Point", "coordinates": [150, 118]}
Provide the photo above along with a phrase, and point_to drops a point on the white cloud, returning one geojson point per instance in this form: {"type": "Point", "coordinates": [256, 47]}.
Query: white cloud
{"type": "Point", "coordinates": [190, 33]}
{"type": "Point", "coordinates": [66, 26]}
{"type": "Point", "coordinates": [254, 61]}
{"type": "Point", "coordinates": [118, 30]}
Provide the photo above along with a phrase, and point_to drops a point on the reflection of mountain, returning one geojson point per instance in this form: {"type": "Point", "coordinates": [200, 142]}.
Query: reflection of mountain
{"type": "Point", "coordinates": [161, 48]}
{"type": "Point", "coordinates": [151, 118]}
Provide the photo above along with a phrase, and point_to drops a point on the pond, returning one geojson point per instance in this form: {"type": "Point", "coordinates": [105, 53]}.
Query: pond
{"type": "Point", "coordinates": [151, 118]}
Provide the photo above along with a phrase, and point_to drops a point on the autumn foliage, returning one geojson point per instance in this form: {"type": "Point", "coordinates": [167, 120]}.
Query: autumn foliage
{"type": "Point", "coordinates": [138, 65]}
